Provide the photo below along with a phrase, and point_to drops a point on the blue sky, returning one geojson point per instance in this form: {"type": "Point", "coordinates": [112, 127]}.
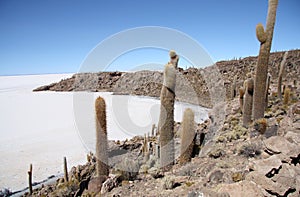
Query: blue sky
{"type": "Point", "coordinates": [55, 36]}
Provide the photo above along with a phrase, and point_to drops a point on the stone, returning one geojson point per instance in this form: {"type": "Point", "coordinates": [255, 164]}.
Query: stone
{"type": "Point", "coordinates": [287, 176]}
{"type": "Point", "coordinates": [241, 189]}
{"type": "Point", "coordinates": [110, 183]}
{"type": "Point", "coordinates": [216, 176]}
{"type": "Point", "coordinates": [278, 144]}
{"type": "Point", "coordinates": [293, 137]}
{"type": "Point", "coordinates": [270, 186]}
{"type": "Point", "coordinates": [267, 166]}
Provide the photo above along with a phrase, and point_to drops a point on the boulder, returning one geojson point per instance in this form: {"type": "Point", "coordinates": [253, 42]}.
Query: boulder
{"type": "Point", "coordinates": [271, 187]}
{"type": "Point", "coordinates": [110, 183]}
{"type": "Point", "coordinates": [241, 189]}
{"type": "Point", "coordinates": [267, 166]}
{"type": "Point", "coordinates": [279, 144]}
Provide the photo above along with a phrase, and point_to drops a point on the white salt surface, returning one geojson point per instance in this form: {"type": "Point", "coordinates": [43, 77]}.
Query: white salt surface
{"type": "Point", "coordinates": [43, 127]}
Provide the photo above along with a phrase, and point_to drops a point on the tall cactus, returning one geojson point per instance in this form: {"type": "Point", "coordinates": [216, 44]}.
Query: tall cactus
{"type": "Point", "coordinates": [187, 136]}
{"type": "Point", "coordinates": [101, 139]}
{"type": "Point", "coordinates": [248, 101]}
{"type": "Point", "coordinates": [265, 39]}
{"type": "Point", "coordinates": [281, 70]}
{"type": "Point", "coordinates": [166, 118]}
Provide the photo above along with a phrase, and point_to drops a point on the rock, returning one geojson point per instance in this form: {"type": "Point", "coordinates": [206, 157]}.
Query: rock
{"type": "Point", "coordinates": [241, 189]}
{"type": "Point", "coordinates": [271, 131]}
{"type": "Point", "coordinates": [293, 137]}
{"type": "Point", "coordinates": [110, 183]}
{"type": "Point", "coordinates": [216, 177]}
{"type": "Point", "coordinates": [267, 166]}
{"type": "Point", "coordinates": [168, 182]}
{"type": "Point", "coordinates": [94, 186]}
{"type": "Point", "coordinates": [287, 177]}
{"type": "Point", "coordinates": [278, 144]}
{"type": "Point", "coordinates": [270, 186]}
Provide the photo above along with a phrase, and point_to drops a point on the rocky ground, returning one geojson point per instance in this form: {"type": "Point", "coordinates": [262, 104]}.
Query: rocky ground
{"type": "Point", "coordinates": [235, 162]}
{"type": "Point", "coordinates": [229, 160]}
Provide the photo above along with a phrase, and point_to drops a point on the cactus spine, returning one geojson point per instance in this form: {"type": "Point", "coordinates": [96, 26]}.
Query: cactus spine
{"type": "Point", "coordinates": [166, 118]}
{"type": "Point", "coordinates": [248, 101]}
{"type": "Point", "coordinates": [263, 59]}
{"type": "Point", "coordinates": [281, 70]}
{"type": "Point", "coordinates": [101, 139]}
{"type": "Point", "coordinates": [187, 136]}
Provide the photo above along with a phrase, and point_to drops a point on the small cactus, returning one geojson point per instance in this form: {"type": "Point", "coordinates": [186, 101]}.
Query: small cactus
{"type": "Point", "coordinates": [261, 125]}
{"type": "Point", "coordinates": [66, 176]}
{"type": "Point", "coordinates": [286, 98]}
{"type": "Point", "coordinates": [233, 87]}
{"type": "Point", "coordinates": [166, 117]}
{"type": "Point", "coordinates": [248, 101]}
{"type": "Point", "coordinates": [101, 139]}
{"type": "Point", "coordinates": [30, 179]}
{"type": "Point", "coordinates": [267, 89]}
{"type": "Point", "coordinates": [281, 70]}
{"type": "Point", "coordinates": [187, 136]}
{"type": "Point", "coordinates": [242, 92]}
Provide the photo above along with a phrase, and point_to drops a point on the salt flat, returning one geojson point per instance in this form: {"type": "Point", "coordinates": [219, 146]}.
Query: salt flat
{"type": "Point", "coordinates": [43, 127]}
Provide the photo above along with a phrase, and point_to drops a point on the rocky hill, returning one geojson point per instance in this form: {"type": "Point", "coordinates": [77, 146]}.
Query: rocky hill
{"type": "Point", "coordinates": [192, 83]}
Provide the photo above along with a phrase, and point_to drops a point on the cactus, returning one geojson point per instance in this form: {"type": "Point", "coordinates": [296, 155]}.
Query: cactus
{"type": "Point", "coordinates": [187, 136]}
{"type": "Point", "coordinates": [30, 179]}
{"type": "Point", "coordinates": [153, 130]}
{"type": "Point", "coordinates": [281, 70]}
{"type": "Point", "coordinates": [101, 139]}
{"type": "Point", "coordinates": [233, 87]}
{"type": "Point", "coordinates": [248, 101]}
{"type": "Point", "coordinates": [145, 149]}
{"type": "Point", "coordinates": [261, 125]}
{"type": "Point", "coordinates": [242, 92]}
{"type": "Point", "coordinates": [263, 59]}
{"type": "Point", "coordinates": [286, 97]}
{"type": "Point", "coordinates": [66, 177]}
{"type": "Point", "coordinates": [166, 117]}
{"type": "Point", "coordinates": [267, 89]}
